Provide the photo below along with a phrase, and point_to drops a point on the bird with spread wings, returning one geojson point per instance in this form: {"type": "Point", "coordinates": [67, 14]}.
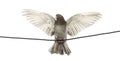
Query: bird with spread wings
{"type": "Point", "coordinates": [60, 28]}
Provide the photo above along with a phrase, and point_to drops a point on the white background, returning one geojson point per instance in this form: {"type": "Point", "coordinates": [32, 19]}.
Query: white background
{"type": "Point", "coordinates": [99, 48]}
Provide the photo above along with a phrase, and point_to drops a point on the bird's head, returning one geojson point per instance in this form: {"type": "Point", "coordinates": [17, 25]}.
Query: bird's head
{"type": "Point", "coordinates": [59, 17]}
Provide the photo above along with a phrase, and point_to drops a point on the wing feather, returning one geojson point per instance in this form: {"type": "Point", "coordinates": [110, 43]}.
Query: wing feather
{"type": "Point", "coordinates": [80, 21]}
{"type": "Point", "coordinates": [41, 20]}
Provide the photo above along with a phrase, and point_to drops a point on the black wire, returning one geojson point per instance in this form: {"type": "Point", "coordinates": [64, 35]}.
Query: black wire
{"type": "Point", "coordinates": [25, 38]}
{"type": "Point", "coordinates": [94, 35]}
{"type": "Point", "coordinates": [67, 39]}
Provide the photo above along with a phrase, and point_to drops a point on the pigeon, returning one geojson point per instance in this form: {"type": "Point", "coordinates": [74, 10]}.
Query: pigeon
{"type": "Point", "coordinates": [60, 28]}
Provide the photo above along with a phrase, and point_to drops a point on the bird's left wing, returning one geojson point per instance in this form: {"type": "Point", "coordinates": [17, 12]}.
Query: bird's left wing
{"type": "Point", "coordinates": [41, 20]}
{"type": "Point", "coordinates": [80, 21]}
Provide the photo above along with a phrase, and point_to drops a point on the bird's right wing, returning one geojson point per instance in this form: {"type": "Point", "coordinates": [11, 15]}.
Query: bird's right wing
{"type": "Point", "coordinates": [80, 21]}
{"type": "Point", "coordinates": [41, 20]}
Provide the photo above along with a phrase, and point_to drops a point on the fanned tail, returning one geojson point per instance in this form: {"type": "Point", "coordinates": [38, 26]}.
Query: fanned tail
{"type": "Point", "coordinates": [60, 48]}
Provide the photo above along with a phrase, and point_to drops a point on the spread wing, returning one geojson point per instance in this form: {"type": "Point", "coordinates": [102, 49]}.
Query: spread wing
{"type": "Point", "coordinates": [80, 21]}
{"type": "Point", "coordinates": [41, 20]}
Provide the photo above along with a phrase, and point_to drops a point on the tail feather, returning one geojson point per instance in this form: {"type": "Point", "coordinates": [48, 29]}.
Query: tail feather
{"type": "Point", "coordinates": [66, 48]}
{"type": "Point", "coordinates": [60, 48]}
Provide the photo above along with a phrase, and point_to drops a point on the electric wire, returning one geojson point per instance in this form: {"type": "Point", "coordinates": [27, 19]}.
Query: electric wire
{"type": "Point", "coordinates": [66, 39]}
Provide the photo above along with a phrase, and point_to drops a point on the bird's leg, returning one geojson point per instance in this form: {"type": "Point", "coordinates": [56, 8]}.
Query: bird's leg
{"type": "Point", "coordinates": [64, 39]}
{"type": "Point", "coordinates": [55, 39]}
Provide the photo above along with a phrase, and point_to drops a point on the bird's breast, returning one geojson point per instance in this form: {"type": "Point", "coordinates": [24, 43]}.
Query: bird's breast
{"type": "Point", "coordinates": [60, 31]}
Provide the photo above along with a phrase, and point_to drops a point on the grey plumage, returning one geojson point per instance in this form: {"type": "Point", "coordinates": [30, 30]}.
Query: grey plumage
{"type": "Point", "coordinates": [60, 33]}
{"type": "Point", "coordinates": [60, 28]}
